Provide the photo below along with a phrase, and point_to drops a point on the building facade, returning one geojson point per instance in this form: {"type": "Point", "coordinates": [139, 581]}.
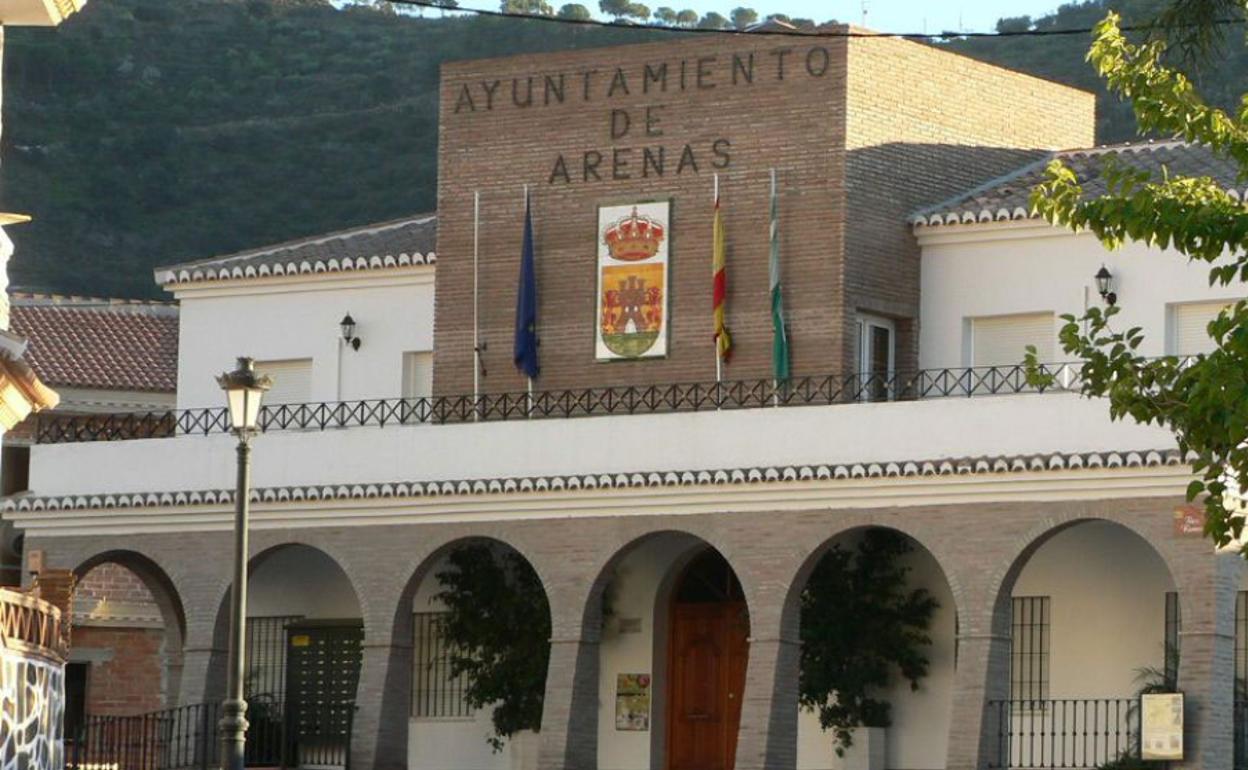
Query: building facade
{"type": "Point", "coordinates": [1056, 543]}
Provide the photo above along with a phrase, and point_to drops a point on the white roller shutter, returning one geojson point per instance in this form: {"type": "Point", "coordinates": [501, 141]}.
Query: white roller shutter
{"type": "Point", "coordinates": [1188, 324]}
{"type": "Point", "coordinates": [1002, 340]}
{"type": "Point", "coordinates": [292, 380]}
{"type": "Point", "coordinates": [418, 374]}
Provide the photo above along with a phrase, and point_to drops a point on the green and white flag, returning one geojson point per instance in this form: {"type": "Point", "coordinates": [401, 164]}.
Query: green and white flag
{"type": "Point", "coordinates": [780, 336]}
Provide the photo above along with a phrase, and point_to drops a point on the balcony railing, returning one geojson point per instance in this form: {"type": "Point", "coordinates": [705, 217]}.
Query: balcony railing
{"type": "Point", "coordinates": [187, 738]}
{"type": "Point", "coordinates": [822, 390]}
{"type": "Point", "coordinates": [1064, 733]}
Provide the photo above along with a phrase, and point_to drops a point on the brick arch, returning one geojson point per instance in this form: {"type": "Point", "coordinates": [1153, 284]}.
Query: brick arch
{"type": "Point", "coordinates": [1006, 571]}
{"type": "Point", "coordinates": [156, 579]}
{"type": "Point", "coordinates": [791, 613]}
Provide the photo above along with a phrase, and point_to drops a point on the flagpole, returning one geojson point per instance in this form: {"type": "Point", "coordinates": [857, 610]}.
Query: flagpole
{"type": "Point", "coordinates": [529, 397]}
{"type": "Point", "coordinates": [476, 318]}
{"type": "Point", "coordinates": [775, 381]}
{"type": "Point", "coordinates": [719, 364]}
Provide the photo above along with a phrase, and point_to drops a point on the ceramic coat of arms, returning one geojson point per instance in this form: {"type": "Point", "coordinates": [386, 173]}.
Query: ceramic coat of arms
{"type": "Point", "coordinates": [632, 280]}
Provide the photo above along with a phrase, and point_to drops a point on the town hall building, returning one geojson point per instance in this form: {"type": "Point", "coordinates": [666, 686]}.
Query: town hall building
{"type": "Point", "coordinates": [697, 491]}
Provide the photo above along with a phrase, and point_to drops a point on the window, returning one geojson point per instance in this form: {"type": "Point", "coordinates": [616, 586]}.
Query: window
{"type": "Point", "coordinates": [15, 476]}
{"type": "Point", "coordinates": [292, 380]}
{"type": "Point", "coordinates": [1029, 648]}
{"type": "Point", "coordinates": [418, 374]}
{"type": "Point", "coordinates": [435, 692]}
{"type": "Point", "coordinates": [876, 357]}
{"type": "Point", "coordinates": [266, 655]}
{"type": "Point", "coordinates": [75, 698]}
{"type": "Point", "coordinates": [1174, 624]}
{"type": "Point", "coordinates": [1002, 340]}
{"type": "Point", "coordinates": [1189, 324]}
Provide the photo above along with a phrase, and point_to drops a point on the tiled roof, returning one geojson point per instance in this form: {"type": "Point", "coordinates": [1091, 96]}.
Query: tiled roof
{"type": "Point", "coordinates": [80, 342]}
{"type": "Point", "coordinates": [1058, 461]}
{"type": "Point", "coordinates": [398, 243]}
{"type": "Point", "coordinates": [1008, 198]}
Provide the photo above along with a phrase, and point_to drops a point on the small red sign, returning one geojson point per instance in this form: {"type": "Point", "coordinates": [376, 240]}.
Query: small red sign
{"type": "Point", "coordinates": [1189, 520]}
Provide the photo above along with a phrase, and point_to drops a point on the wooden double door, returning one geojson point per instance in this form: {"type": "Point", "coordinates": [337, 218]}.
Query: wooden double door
{"type": "Point", "coordinates": [708, 651]}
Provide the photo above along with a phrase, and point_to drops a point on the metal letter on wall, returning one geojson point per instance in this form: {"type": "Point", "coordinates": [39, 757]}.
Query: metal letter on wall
{"type": "Point", "coordinates": [632, 281]}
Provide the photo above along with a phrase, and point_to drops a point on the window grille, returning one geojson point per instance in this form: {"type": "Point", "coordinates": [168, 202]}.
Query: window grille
{"type": "Point", "coordinates": [436, 693]}
{"type": "Point", "coordinates": [1029, 648]}
{"type": "Point", "coordinates": [1174, 624]}
{"type": "Point", "coordinates": [266, 655]}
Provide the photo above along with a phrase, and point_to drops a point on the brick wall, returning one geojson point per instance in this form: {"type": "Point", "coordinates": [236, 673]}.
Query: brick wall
{"type": "Point", "coordinates": [128, 677]}
{"type": "Point", "coordinates": [861, 132]}
{"type": "Point", "coordinates": [113, 582]}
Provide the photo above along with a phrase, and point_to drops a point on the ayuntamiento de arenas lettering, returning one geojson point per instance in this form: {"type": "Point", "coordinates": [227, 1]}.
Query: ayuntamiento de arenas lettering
{"type": "Point", "coordinates": [653, 78]}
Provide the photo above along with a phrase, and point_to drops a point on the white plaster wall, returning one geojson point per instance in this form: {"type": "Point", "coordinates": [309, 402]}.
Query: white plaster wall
{"type": "Point", "coordinates": [1107, 589]}
{"type": "Point", "coordinates": [883, 432]}
{"type": "Point", "coordinates": [1033, 268]}
{"type": "Point", "coordinates": [299, 580]}
{"type": "Point", "coordinates": [393, 315]}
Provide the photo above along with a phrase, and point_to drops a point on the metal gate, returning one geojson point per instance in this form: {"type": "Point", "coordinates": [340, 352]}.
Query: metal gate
{"type": "Point", "coordinates": [323, 660]}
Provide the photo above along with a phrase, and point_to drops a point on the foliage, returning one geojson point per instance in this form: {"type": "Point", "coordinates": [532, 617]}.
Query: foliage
{"type": "Point", "coordinates": [1203, 401]}
{"type": "Point", "coordinates": [743, 17]}
{"type": "Point", "coordinates": [527, 7]}
{"type": "Point", "coordinates": [498, 630]}
{"type": "Point", "coordinates": [861, 625]}
{"type": "Point", "coordinates": [146, 132]}
{"type": "Point", "coordinates": [575, 12]}
{"type": "Point", "coordinates": [713, 20]}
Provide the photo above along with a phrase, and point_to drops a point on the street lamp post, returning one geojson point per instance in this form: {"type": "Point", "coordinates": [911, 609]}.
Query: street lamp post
{"type": "Point", "coordinates": [244, 390]}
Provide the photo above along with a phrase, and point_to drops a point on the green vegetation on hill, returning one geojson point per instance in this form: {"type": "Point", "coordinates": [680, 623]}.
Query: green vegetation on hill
{"type": "Point", "coordinates": [144, 132]}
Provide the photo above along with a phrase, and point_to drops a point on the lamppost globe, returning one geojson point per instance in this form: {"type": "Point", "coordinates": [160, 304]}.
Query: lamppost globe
{"type": "Point", "coordinates": [244, 391]}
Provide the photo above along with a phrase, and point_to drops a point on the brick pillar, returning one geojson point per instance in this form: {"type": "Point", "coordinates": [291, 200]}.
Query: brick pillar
{"type": "Point", "coordinates": [767, 739]}
{"type": "Point", "coordinates": [379, 734]}
{"type": "Point", "coordinates": [569, 735]}
{"type": "Point", "coordinates": [982, 676]}
{"type": "Point", "coordinates": [1207, 590]}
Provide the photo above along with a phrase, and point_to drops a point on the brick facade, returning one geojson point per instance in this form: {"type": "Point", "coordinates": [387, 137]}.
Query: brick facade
{"type": "Point", "coordinates": [860, 131]}
{"type": "Point", "coordinates": [771, 554]}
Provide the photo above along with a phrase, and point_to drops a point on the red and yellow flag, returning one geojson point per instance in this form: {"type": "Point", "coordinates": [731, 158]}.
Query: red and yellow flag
{"type": "Point", "coordinates": [723, 340]}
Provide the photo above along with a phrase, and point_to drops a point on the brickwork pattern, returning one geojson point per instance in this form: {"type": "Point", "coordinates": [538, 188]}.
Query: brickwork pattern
{"type": "Point", "coordinates": [771, 554]}
{"type": "Point", "coordinates": [129, 681]}
{"type": "Point", "coordinates": [115, 583]}
{"type": "Point", "coordinates": [885, 127]}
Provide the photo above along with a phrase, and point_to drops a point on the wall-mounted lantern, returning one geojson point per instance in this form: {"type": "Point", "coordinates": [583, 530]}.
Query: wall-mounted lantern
{"type": "Point", "coordinates": [1105, 285]}
{"type": "Point", "coordinates": [348, 332]}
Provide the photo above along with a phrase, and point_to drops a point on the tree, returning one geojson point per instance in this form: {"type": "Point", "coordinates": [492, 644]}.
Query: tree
{"type": "Point", "coordinates": [1013, 24]}
{"type": "Point", "coordinates": [743, 17]}
{"type": "Point", "coordinates": [687, 17]}
{"type": "Point", "coordinates": [1204, 402]}
{"type": "Point", "coordinates": [803, 24]}
{"type": "Point", "coordinates": [639, 11]}
{"type": "Point", "coordinates": [497, 628]}
{"type": "Point", "coordinates": [860, 623]}
{"type": "Point", "coordinates": [617, 9]}
{"type": "Point", "coordinates": [665, 15]}
{"type": "Point", "coordinates": [528, 7]}
{"type": "Point", "coordinates": [713, 20]}
{"type": "Point", "coordinates": [575, 12]}
{"type": "Point", "coordinates": [779, 17]}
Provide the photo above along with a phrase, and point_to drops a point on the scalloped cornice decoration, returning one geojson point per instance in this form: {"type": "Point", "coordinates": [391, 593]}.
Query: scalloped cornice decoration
{"type": "Point", "coordinates": [520, 485]}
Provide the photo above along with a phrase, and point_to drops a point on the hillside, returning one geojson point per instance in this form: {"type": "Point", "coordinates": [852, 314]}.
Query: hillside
{"type": "Point", "coordinates": [145, 131]}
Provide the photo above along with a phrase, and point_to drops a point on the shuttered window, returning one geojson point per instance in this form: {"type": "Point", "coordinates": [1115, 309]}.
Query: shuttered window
{"type": "Point", "coordinates": [418, 375]}
{"type": "Point", "coordinates": [1188, 325]}
{"type": "Point", "coordinates": [292, 380]}
{"type": "Point", "coordinates": [1002, 340]}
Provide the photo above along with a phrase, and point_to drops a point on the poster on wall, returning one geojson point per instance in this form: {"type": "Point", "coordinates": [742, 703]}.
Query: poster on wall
{"type": "Point", "coordinates": [632, 281]}
{"type": "Point", "coordinates": [632, 702]}
{"type": "Point", "coordinates": [1161, 726]}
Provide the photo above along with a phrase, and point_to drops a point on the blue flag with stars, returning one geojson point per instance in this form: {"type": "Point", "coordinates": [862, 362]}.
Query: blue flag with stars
{"type": "Point", "coordinates": [526, 304]}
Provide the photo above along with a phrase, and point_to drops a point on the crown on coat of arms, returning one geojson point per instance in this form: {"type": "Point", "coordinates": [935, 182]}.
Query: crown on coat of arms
{"type": "Point", "coordinates": [633, 238]}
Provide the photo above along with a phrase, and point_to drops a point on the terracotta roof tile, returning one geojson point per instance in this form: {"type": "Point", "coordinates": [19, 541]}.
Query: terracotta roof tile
{"type": "Point", "coordinates": [1008, 198]}
{"type": "Point", "coordinates": [99, 343]}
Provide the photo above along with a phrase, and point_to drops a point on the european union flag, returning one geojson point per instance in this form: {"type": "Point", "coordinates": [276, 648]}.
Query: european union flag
{"type": "Point", "coordinates": [526, 304]}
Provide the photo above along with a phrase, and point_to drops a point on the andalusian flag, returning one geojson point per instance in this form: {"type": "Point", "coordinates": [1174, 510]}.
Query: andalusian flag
{"type": "Point", "coordinates": [780, 337]}
{"type": "Point", "coordinates": [723, 341]}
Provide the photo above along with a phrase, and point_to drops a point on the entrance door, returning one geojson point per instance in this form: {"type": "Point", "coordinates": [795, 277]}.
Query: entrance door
{"type": "Point", "coordinates": [708, 651]}
{"type": "Point", "coordinates": [323, 660]}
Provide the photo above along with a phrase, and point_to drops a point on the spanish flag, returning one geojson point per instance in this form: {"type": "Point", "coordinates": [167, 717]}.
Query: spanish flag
{"type": "Point", "coordinates": [723, 340]}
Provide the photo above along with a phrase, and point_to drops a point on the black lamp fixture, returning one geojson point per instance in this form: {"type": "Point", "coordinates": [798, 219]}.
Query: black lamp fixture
{"type": "Point", "coordinates": [1105, 285]}
{"type": "Point", "coordinates": [348, 332]}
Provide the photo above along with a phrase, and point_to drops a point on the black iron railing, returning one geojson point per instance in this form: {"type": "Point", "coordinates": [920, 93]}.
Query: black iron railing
{"type": "Point", "coordinates": [822, 390]}
{"type": "Point", "coordinates": [1064, 733]}
{"type": "Point", "coordinates": [1241, 735]}
{"type": "Point", "coordinates": [186, 738]}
